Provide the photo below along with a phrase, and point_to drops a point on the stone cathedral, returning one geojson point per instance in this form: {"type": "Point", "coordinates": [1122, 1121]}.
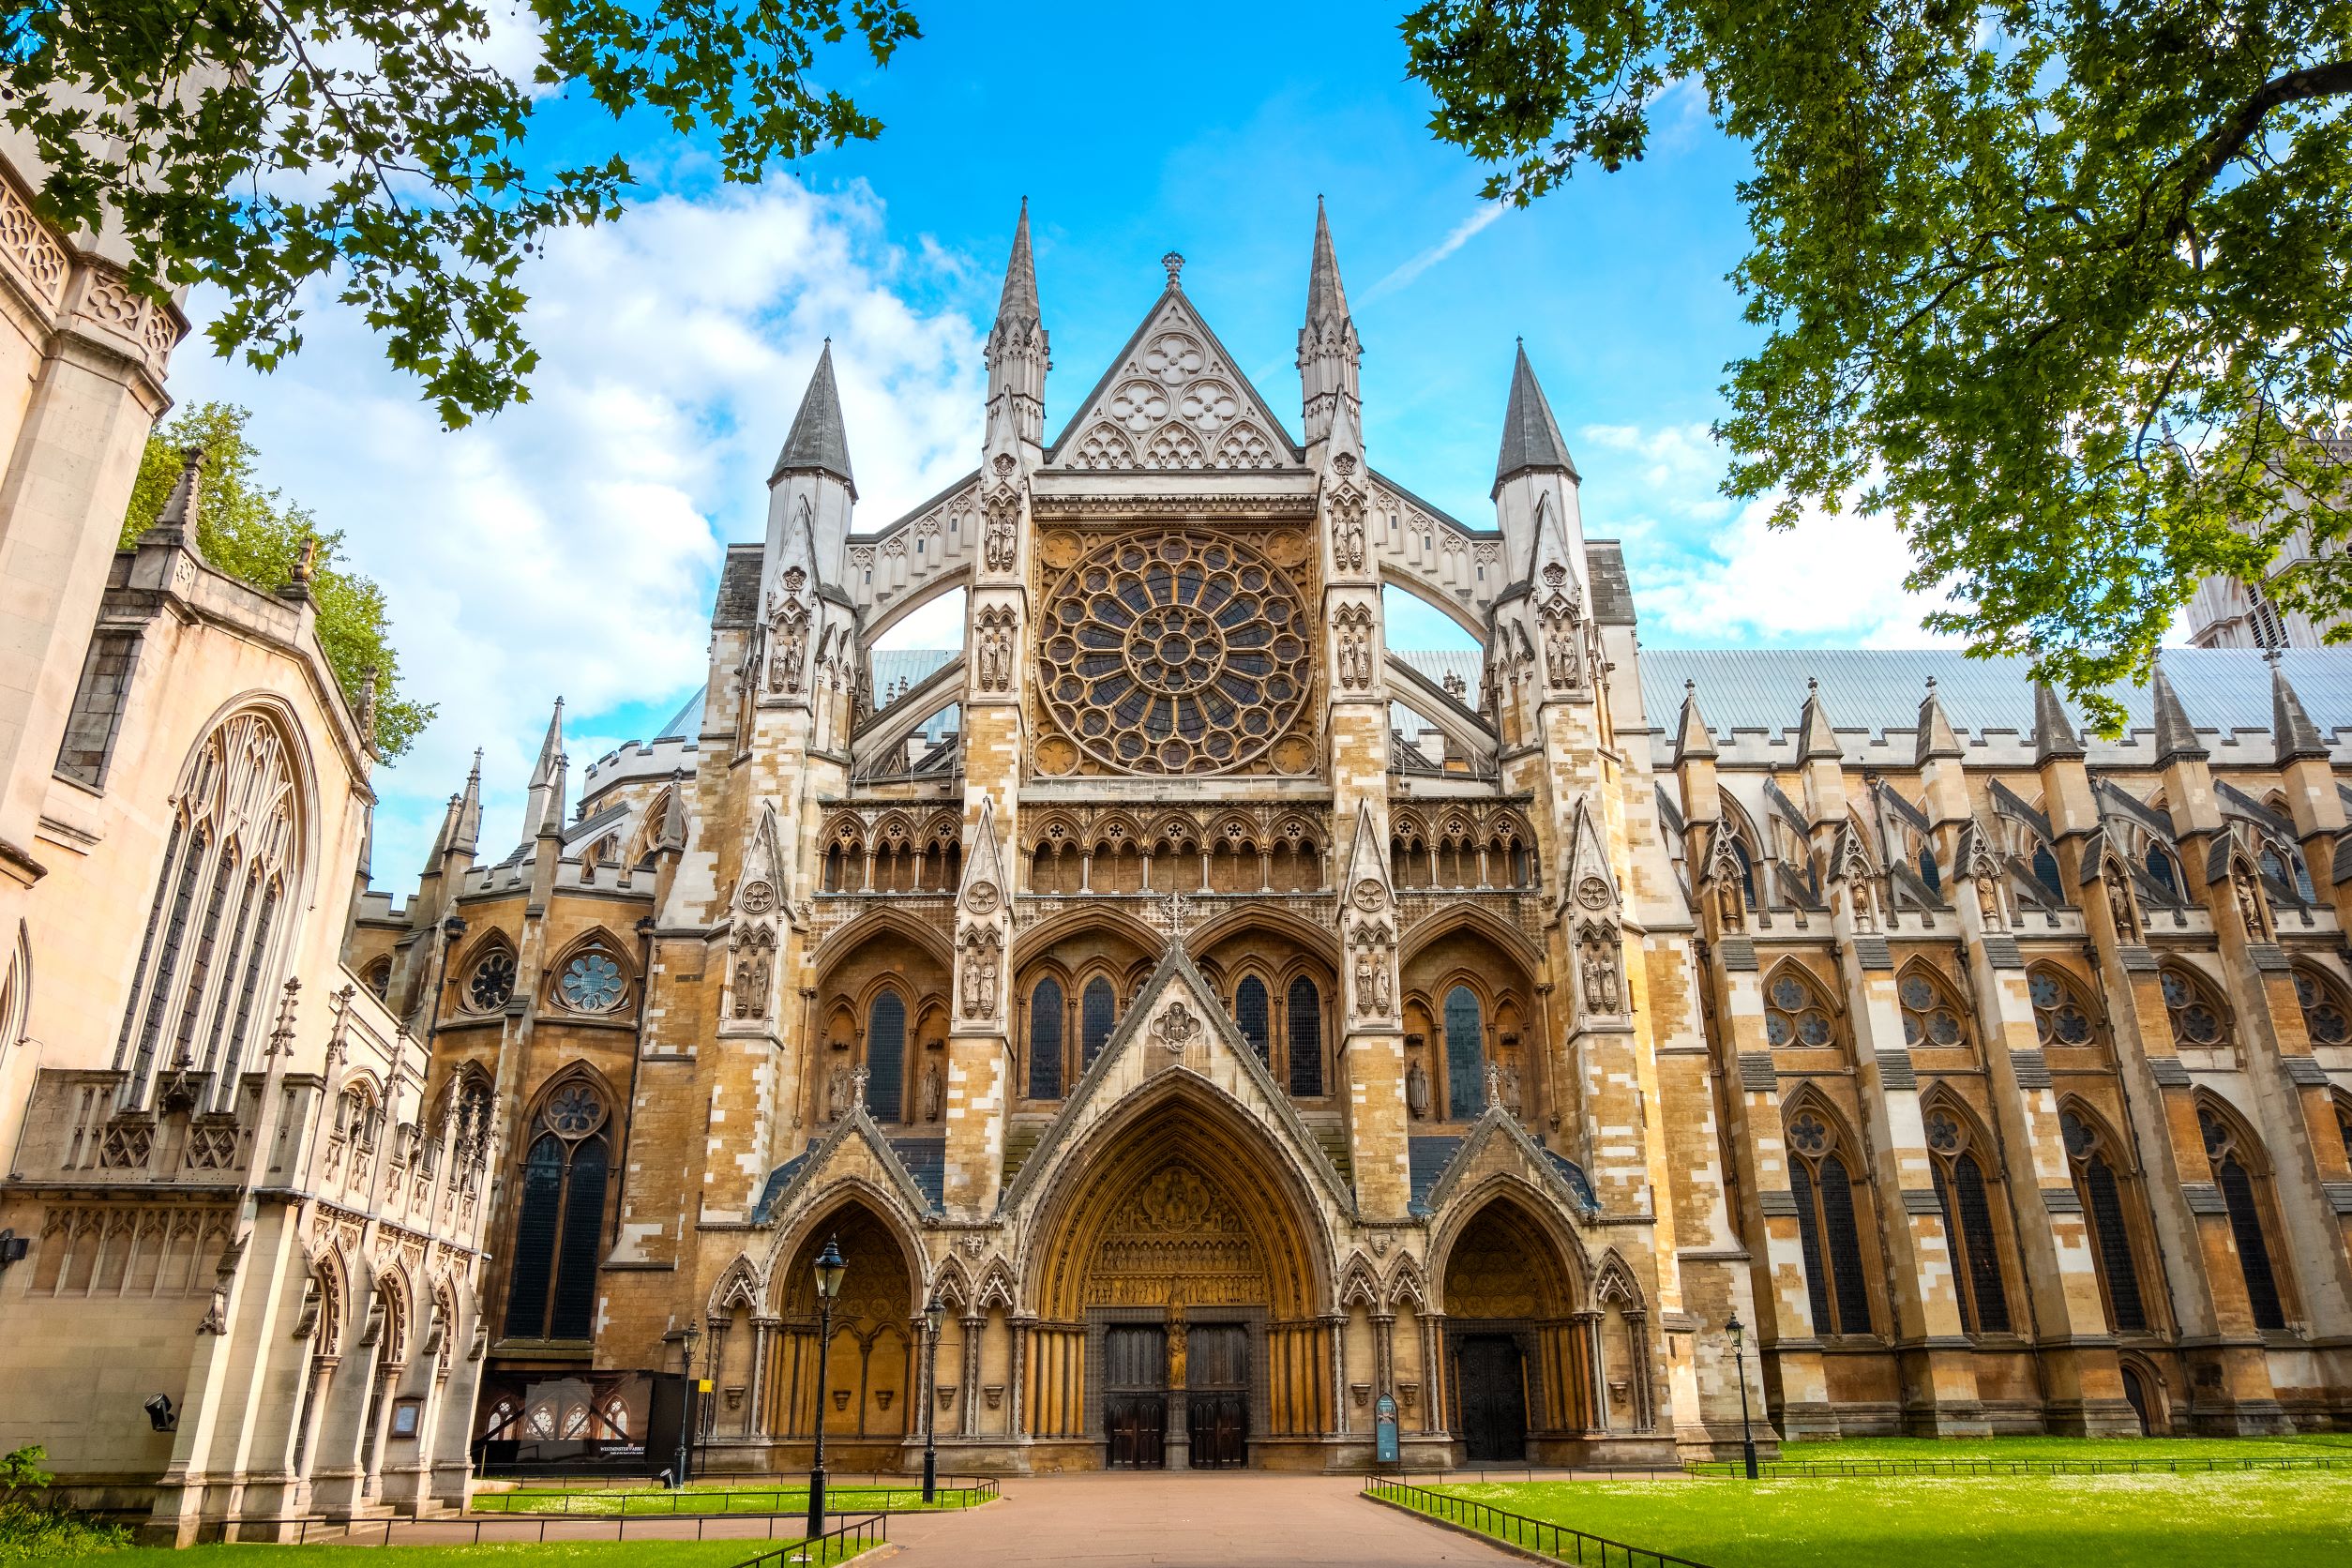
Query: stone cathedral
{"type": "Point", "coordinates": [1235, 1024]}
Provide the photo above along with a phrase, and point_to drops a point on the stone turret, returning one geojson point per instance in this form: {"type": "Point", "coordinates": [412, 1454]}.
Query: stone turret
{"type": "Point", "coordinates": [1329, 353]}
{"type": "Point", "coordinates": [1016, 353]}
{"type": "Point", "coordinates": [811, 482]}
{"type": "Point", "coordinates": [1535, 474]}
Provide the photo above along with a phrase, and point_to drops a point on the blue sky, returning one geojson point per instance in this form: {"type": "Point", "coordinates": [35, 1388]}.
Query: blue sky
{"type": "Point", "coordinates": [571, 545]}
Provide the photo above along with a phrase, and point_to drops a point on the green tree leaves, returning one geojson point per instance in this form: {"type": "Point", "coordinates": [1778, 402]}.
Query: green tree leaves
{"type": "Point", "coordinates": [260, 146]}
{"type": "Point", "coordinates": [257, 536]}
{"type": "Point", "coordinates": [2061, 288]}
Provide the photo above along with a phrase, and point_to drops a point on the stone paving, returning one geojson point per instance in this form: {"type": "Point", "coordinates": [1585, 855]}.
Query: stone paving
{"type": "Point", "coordinates": [1180, 1519]}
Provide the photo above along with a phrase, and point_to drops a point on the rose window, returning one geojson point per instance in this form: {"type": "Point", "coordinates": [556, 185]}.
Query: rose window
{"type": "Point", "coordinates": [574, 1110]}
{"type": "Point", "coordinates": [493, 980]}
{"type": "Point", "coordinates": [1175, 654]}
{"type": "Point", "coordinates": [590, 983]}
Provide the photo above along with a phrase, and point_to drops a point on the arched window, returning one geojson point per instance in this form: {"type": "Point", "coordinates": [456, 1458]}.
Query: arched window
{"type": "Point", "coordinates": [1747, 870]}
{"type": "Point", "coordinates": [2325, 1017]}
{"type": "Point", "coordinates": [2228, 1150]}
{"type": "Point", "coordinates": [379, 977]}
{"type": "Point", "coordinates": [2163, 874]}
{"type": "Point", "coordinates": [1826, 1229]}
{"type": "Point", "coordinates": [1305, 1007]}
{"type": "Point", "coordinates": [1045, 1040]}
{"type": "Point", "coordinates": [1931, 1014]}
{"type": "Point", "coordinates": [2046, 871]}
{"type": "Point", "coordinates": [1960, 1189]}
{"type": "Point", "coordinates": [2101, 1197]}
{"type": "Point", "coordinates": [1098, 1015]}
{"type": "Point", "coordinates": [1253, 1015]}
{"type": "Point", "coordinates": [2197, 1020]}
{"type": "Point", "coordinates": [886, 1057]}
{"type": "Point", "coordinates": [560, 1216]}
{"type": "Point", "coordinates": [1465, 1055]}
{"type": "Point", "coordinates": [1929, 872]}
{"type": "Point", "coordinates": [491, 980]}
{"type": "Point", "coordinates": [200, 990]}
{"type": "Point", "coordinates": [1794, 1012]}
{"type": "Point", "coordinates": [2059, 1017]}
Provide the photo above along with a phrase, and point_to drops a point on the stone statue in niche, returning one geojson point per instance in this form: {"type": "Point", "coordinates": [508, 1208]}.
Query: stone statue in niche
{"type": "Point", "coordinates": [1507, 1086]}
{"type": "Point", "coordinates": [838, 1093]}
{"type": "Point", "coordinates": [1417, 1092]}
{"type": "Point", "coordinates": [2127, 919]}
{"type": "Point", "coordinates": [754, 959]}
{"type": "Point", "coordinates": [788, 646]}
{"type": "Point", "coordinates": [2250, 906]}
{"type": "Point", "coordinates": [1597, 961]}
{"type": "Point", "coordinates": [977, 993]}
{"type": "Point", "coordinates": [931, 1093]}
{"type": "Point", "coordinates": [996, 545]}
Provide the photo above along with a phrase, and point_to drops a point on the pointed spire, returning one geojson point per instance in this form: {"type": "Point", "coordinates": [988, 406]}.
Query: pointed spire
{"type": "Point", "coordinates": [1693, 739]}
{"type": "Point", "coordinates": [182, 509]}
{"type": "Point", "coordinates": [443, 839]}
{"type": "Point", "coordinates": [1816, 737]}
{"type": "Point", "coordinates": [1935, 737]}
{"type": "Point", "coordinates": [2176, 737]}
{"type": "Point", "coordinates": [467, 836]}
{"type": "Point", "coordinates": [2293, 732]}
{"type": "Point", "coordinates": [1017, 305]}
{"type": "Point", "coordinates": [1531, 436]}
{"type": "Point", "coordinates": [816, 442]}
{"type": "Point", "coordinates": [1326, 300]}
{"type": "Point", "coordinates": [2053, 733]}
{"type": "Point", "coordinates": [543, 809]}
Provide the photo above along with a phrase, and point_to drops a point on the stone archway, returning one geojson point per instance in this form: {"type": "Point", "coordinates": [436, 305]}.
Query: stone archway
{"type": "Point", "coordinates": [1521, 1348]}
{"type": "Point", "coordinates": [871, 1375]}
{"type": "Point", "coordinates": [1179, 1281]}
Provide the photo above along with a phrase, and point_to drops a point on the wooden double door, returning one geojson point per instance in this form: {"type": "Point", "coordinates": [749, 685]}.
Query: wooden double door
{"type": "Point", "coordinates": [1492, 1390]}
{"type": "Point", "coordinates": [1138, 1399]}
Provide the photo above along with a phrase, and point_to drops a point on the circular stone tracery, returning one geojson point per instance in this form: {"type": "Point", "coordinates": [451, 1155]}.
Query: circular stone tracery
{"type": "Point", "coordinates": [1173, 653]}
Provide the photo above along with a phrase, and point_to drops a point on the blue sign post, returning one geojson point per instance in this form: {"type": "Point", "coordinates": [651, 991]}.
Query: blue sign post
{"type": "Point", "coordinates": [1385, 1423]}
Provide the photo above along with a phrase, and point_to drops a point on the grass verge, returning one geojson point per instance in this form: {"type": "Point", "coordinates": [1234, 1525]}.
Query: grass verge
{"type": "Point", "coordinates": [2268, 1517]}
{"type": "Point", "coordinates": [661, 1503]}
{"type": "Point", "coordinates": [564, 1554]}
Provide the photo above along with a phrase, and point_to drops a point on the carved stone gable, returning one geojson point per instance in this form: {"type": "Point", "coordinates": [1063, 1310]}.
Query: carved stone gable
{"type": "Point", "coordinates": [1175, 401]}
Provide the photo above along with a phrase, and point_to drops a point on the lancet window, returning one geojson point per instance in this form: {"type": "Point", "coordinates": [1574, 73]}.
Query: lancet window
{"type": "Point", "coordinates": [2091, 1153]}
{"type": "Point", "coordinates": [559, 1219]}
{"type": "Point", "coordinates": [1961, 1192]}
{"type": "Point", "coordinates": [2240, 1171]}
{"type": "Point", "coordinates": [206, 960]}
{"type": "Point", "coordinates": [1827, 1229]}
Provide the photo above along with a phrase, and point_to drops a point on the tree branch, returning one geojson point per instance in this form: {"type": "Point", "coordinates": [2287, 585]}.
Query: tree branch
{"type": "Point", "coordinates": [2230, 138]}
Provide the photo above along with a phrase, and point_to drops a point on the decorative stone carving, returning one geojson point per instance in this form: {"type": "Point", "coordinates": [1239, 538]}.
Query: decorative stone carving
{"type": "Point", "coordinates": [1347, 507]}
{"type": "Point", "coordinates": [788, 645]}
{"type": "Point", "coordinates": [1600, 967]}
{"type": "Point", "coordinates": [1562, 666]}
{"type": "Point", "coordinates": [993, 647]}
{"type": "Point", "coordinates": [759, 895]}
{"type": "Point", "coordinates": [1417, 1092]}
{"type": "Point", "coordinates": [755, 968]}
{"type": "Point", "coordinates": [931, 1093]}
{"type": "Point", "coordinates": [2251, 909]}
{"type": "Point", "coordinates": [1000, 523]}
{"type": "Point", "coordinates": [2121, 906]}
{"type": "Point", "coordinates": [1175, 1027]}
{"type": "Point", "coordinates": [1375, 975]}
{"type": "Point", "coordinates": [983, 958]}
{"type": "Point", "coordinates": [1353, 646]}
{"type": "Point", "coordinates": [838, 1090]}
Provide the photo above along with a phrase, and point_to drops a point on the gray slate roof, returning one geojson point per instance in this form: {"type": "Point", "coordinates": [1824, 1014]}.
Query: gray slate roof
{"type": "Point", "coordinates": [817, 440]}
{"type": "Point", "coordinates": [1531, 436]}
{"type": "Point", "coordinates": [1876, 689]}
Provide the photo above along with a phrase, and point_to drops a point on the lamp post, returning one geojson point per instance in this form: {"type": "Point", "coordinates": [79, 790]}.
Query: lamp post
{"type": "Point", "coordinates": [830, 1268]}
{"type": "Point", "coordinates": [1739, 1365]}
{"type": "Point", "coordinates": [685, 1406]}
{"type": "Point", "coordinates": [934, 1314]}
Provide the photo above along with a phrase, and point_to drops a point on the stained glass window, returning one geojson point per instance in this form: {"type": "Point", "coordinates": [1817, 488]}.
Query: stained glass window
{"type": "Point", "coordinates": [494, 980]}
{"type": "Point", "coordinates": [1465, 1055]}
{"type": "Point", "coordinates": [1251, 1009]}
{"type": "Point", "coordinates": [590, 983]}
{"type": "Point", "coordinates": [1305, 1007]}
{"type": "Point", "coordinates": [2058, 1017]}
{"type": "Point", "coordinates": [1045, 1040]}
{"type": "Point", "coordinates": [1795, 1015]}
{"type": "Point", "coordinates": [886, 1057]}
{"type": "Point", "coordinates": [559, 1219]}
{"type": "Point", "coordinates": [1098, 1015]}
{"type": "Point", "coordinates": [2324, 1018]}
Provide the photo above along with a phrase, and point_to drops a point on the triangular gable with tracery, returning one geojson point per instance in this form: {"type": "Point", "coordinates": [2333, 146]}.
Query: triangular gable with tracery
{"type": "Point", "coordinates": [1175, 401]}
{"type": "Point", "coordinates": [1176, 1024]}
{"type": "Point", "coordinates": [855, 1140]}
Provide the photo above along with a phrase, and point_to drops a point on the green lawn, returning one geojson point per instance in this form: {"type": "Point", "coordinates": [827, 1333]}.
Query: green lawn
{"type": "Point", "coordinates": [2273, 1518]}
{"type": "Point", "coordinates": [568, 1554]}
{"type": "Point", "coordinates": [2316, 1445]}
{"type": "Point", "coordinates": [585, 1502]}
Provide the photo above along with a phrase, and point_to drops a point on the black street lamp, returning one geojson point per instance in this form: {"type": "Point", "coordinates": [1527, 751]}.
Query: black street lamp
{"type": "Point", "coordinates": [1740, 1365]}
{"type": "Point", "coordinates": [830, 1268]}
{"type": "Point", "coordinates": [933, 1314]}
{"type": "Point", "coordinates": [686, 1405]}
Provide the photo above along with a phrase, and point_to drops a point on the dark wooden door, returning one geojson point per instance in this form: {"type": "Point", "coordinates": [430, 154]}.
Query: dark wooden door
{"type": "Point", "coordinates": [1135, 1395]}
{"type": "Point", "coordinates": [1493, 1399]}
{"type": "Point", "coordinates": [1216, 1395]}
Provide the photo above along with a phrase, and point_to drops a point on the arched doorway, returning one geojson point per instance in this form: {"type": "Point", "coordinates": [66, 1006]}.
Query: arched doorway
{"type": "Point", "coordinates": [1178, 1260]}
{"type": "Point", "coordinates": [1519, 1356]}
{"type": "Point", "coordinates": [867, 1400]}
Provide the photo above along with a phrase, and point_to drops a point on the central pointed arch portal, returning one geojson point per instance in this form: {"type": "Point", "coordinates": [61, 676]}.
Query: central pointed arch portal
{"type": "Point", "coordinates": [1181, 1281]}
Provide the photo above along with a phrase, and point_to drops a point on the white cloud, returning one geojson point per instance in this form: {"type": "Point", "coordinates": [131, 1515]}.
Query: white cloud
{"type": "Point", "coordinates": [571, 544]}
{"type": "Point", "coordinates": [1463, 233]}
{"type": "Point", "coordinates": [1709, 570]}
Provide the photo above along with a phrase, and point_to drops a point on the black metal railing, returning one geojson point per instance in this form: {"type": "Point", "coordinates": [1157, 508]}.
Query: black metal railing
{"type": "Point", "coordinates": [1834, 1469]}
{"type": "Point", "coordinates": [759, 1481]}
{"type": "Point", "coordinates": [847, 1539]}
{"type": "Point", "coordinates": [1557, 1542]}
{"type": "Point", "coordinates": [678, 1503]}
{"type": "Point", "coordinates": [500, 1530]}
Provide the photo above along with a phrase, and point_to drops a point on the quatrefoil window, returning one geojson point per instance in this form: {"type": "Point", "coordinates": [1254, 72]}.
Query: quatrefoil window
{"type": "Point", "coordinates": [590, 984]}
{"type": "Point", "coordinates": [493, 980]}
{"type": "Point", "coordinates": [1174, 654]}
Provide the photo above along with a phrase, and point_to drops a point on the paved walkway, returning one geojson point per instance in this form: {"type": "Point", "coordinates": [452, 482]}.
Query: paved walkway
{"type": "Point", "coordinates": [1180, 1519]}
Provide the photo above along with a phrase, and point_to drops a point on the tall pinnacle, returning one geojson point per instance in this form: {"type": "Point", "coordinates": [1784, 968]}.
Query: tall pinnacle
{"type": "Point", "coordinates": [467, 835]}
{"type": "Point", "coordinates": [1017, 305]}
{"type": "Point", "coordinates": [1531, 436]}
{"type": "Point", "coordinates": [1326, 300]}
{"type": "Point", "coordinates": [2292, 730]}
{"type": "Point", "coordinates": [544, 808]}
{"type": "Point", "coordinates": [2176, 736]}
{"type": "Point", "coordinates": [818, 443]}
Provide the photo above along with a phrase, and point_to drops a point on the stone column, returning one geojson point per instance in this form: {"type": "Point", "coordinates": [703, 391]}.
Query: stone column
{"type": "Point", "coordinates": [968, 1357]}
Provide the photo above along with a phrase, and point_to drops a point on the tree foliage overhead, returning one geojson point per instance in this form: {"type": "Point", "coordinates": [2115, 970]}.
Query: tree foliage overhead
{"type": "Point", "coordinates": [2060, 287]}
{"type": "Point", "coordinates": [259, 145]}
{"type": "Point", "coordinates": [257, 536]}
